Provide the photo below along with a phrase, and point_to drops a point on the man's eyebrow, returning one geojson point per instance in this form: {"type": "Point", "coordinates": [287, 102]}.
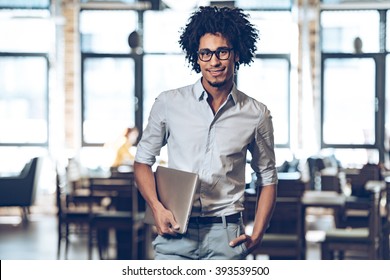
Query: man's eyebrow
{"type": "Point", "coordinates": [219, 48]}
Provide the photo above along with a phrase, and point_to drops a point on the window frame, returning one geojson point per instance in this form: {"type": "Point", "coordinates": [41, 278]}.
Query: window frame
{"type": "Point", "coordinates": [137, 89]}
{"type": "Point", "coordinates": [25, 53]}
{"type": "Point", "coordinates": [138, 67]}
{"type": "Point", "coordinates": [380, 84]}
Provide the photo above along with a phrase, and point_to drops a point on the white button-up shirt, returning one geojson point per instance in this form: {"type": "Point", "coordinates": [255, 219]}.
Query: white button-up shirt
{"type": "Point", "coordinates": [213, 146]}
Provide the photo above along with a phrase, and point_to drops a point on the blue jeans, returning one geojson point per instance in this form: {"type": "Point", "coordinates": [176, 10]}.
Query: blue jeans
{"type": "Point", "coordinates": [202, 242]}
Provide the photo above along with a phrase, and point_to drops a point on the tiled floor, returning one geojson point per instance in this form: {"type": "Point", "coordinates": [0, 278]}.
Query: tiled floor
{"type": "Point", "coordinates": [37, 240]}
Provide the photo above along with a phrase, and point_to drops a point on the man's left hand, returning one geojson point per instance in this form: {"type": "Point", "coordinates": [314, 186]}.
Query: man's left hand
{"type": "Point", "coordinates": [244, 238]}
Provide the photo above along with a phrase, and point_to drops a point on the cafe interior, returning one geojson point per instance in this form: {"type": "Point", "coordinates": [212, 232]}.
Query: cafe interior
{"type": "Point", "coordinates": [78, 79]}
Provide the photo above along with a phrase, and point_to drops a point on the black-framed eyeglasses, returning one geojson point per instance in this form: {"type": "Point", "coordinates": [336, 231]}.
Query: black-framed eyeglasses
{"type": "Point", "coordinates": [221, 53]}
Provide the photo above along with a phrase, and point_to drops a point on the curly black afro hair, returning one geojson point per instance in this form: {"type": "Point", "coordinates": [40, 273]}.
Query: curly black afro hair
{"type": "Point", "coordinates": [231, 23]}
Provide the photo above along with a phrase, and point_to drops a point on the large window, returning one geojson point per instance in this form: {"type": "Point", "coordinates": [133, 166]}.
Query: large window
{"type": "Point", "coordinates": [24, 72]}
{"type": "Point", "coordinates": [108, 74]}
{"type": "Point", "coordinates": [26, 52]}
{"type": "Point", "coordinates": [353, 84]}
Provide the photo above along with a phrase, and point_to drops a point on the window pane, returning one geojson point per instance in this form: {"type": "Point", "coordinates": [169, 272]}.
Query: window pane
{"type": "Point", "coordinates": [258, 81]}
{"type": "Point", "coordinates": [349, 101]}
{"type": "Point", "coordinates": [164, 72]}
{"type": "Point", "coordinates": [23, 105]}
{"type": "Point", "coordinates": [341, 28]}
{"type": "Point", "coordinates": [107, 31]}
{"type": "Point", "coordinates": [271, 23]}
{"type": "Point", "coordinates": [33, 34]}
{"type": "Point", "coordinates": [162, 30]}
{"type": "Point", "coordinates": [108, 98]}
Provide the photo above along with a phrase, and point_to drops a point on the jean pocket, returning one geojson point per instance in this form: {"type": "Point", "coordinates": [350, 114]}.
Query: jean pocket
{"type": "Point", "coordinates": [234, 231]}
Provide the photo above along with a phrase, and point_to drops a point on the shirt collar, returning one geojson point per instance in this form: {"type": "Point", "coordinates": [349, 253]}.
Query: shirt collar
{"type": "Point", "coordinates": [200, 92]}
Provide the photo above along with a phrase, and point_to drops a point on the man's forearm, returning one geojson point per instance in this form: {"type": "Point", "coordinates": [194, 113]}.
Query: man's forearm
{"type": "Point", "coordinates": [265, 206]}
{"type": "Point", "coordinates": [144, 179]}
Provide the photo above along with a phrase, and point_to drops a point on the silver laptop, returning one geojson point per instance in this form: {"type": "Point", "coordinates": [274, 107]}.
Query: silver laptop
{"type": "Point", "coordinates": [175, 190]}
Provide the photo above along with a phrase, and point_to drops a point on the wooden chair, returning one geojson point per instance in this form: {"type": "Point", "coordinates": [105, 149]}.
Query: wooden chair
{"type": "Point", "coordinates": [125, 217]}
{"type": "Point", "coordinates": [71, 220]}
{"type": "Point", "coordinates": [364, 240]}
{"type": "Point", "coordinates": [330, 182]}
{"type": "Point", "coordinates": [283, 238]}
{"type": "Point", "coordinates": [355, 212]}
{"type": "Point", "coordinates": [21, 190]}
{"type": "Point", "coordinates": [368, 172]}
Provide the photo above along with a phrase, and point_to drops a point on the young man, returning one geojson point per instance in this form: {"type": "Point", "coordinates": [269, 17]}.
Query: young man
{"type": "Point", "coordinates": [208, 127]}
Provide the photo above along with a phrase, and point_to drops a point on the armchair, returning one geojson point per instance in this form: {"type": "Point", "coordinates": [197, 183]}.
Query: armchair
{"type": "Point", "coordinates": [20, 190]}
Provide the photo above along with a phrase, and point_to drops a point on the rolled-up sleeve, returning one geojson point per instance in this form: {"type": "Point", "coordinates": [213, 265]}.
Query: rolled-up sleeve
{"type": "Point", "coordinates": [155, 134]}
{"type": "Point", "coordinates": [262, 149]}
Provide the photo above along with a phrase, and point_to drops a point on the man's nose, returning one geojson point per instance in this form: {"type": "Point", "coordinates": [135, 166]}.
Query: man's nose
{"type": "Point", "coordinates": [215, 60]}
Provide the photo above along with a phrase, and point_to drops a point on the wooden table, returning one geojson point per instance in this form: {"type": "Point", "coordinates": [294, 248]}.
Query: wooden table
{"type": "Point", "coordinates": [321, 199]}
{"type": "Point", "coordinates": [125, 199]}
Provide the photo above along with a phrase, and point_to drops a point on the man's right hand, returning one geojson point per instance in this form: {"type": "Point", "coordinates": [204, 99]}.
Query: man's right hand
{"type": "Point", "coordinates": [144, 178]}
{"type": "Point", "coordinates": [166, 223]}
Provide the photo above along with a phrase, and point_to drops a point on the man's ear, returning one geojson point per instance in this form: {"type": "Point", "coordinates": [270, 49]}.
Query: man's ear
{"type": "Point", "coordinates": [236, 57]}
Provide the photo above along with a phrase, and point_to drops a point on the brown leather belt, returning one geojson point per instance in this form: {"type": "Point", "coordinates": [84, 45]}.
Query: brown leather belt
{"type": "Point", "coordinates": [234, 218]}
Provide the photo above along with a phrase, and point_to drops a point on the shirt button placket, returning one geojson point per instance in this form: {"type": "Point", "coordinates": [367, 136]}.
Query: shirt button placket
{"type": "Point", "coordinates": [206, 165]}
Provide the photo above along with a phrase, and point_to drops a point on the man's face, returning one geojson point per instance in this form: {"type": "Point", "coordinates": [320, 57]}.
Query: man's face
{"type": "Point", "coordinates": [217, 72]}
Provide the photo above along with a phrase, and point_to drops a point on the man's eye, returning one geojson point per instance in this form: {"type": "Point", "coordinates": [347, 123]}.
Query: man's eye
{"type": "Point", "coordinates": [223, 52]}
{"type": "Point", "coordinates": [205, 52]}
